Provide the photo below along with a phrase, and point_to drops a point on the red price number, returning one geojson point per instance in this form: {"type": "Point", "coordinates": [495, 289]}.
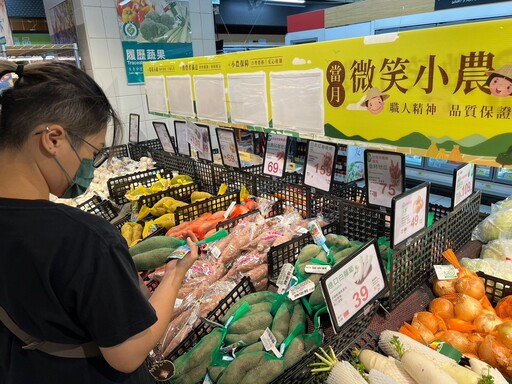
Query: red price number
{"type": "Point", "coordinates": [466, 189]}
{"type": "Point", "coordinates": [273, 167]}
{"type": "Point", "coordinates": [361, 296]}
{"type": "Point", "coordinates": [230, 158]}
{"type": "Point", "coordinates": [323, 170]}
{"type": "Point", "coordinates": [391, 191]}
{"type": "Point", "coordinates": [415, 220]}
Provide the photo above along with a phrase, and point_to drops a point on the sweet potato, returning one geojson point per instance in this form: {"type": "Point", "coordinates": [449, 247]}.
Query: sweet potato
{"type": "Point", "coordinates": [308, 252]}
{"type": "Point", "coordinates": [294, 352]}
{"type": "Point", "coordinates": [252, 298]}
{"type": "Point", "coordinates": [239, 367]}
{"type": "Point", "coordinates": [251, 322]}
{"type": "Point", "coordinates": [272, 368]}
{"type": "Point", "coordinates": [281, 323]}
{"type": "Point", "coordinates": [247, 338]}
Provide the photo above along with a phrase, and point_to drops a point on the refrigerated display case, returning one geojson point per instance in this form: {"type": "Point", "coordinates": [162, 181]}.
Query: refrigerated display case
{"type": "Point", "coordinates": [483, 172]}
{"type": "Point", "coordinates": [440, 165]}
{"type": "Point", "coordinates": [414, 161]}
{"type": "Point", "coordinates": [503, 175]}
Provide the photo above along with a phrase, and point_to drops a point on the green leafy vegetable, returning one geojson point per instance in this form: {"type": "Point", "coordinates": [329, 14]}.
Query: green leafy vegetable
{"type": "Point", "coordinates": [399, 348]}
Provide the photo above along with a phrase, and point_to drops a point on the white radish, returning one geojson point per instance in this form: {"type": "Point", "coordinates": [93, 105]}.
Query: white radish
{"type": "Point", "coordinates": [377, 377]}
{"type": "Point", "coordinates": [483, 369]}
{"type": "Point", "coordinates": [387, 365]}
{"type": "Point", "coordinates": [344, 372]}
{"type": "Point", "coordinates": [460, 374]}
{"type": "Point", "coordinates": [409, 345]}
{"type": "Point", "coordinates": [424, 371]}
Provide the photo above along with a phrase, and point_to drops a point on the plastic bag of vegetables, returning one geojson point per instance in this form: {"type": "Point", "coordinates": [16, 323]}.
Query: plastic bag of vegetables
{"type": "Point", "coordinates": [498, 225]}
{"type": "Point", "coordinates": [497, 249]}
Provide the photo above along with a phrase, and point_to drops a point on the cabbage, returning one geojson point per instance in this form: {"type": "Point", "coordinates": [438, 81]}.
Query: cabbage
{"type": "Point", "coordinates": [498, 225]}
{"type": "Point", "coordinates": [497, 250]}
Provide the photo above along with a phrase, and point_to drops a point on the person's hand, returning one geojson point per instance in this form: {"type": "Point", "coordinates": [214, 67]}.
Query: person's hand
{"type": "Point", "coordinates": [183, 265]}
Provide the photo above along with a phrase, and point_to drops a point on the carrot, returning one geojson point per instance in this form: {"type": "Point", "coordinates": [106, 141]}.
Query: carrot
{"type": "Point", "coordinates": [412, 332]}
{"type": "Point", "coordinates": [460, 325]}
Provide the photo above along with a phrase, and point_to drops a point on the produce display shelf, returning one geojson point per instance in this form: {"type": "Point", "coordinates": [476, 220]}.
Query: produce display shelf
{"type": "Point", "coordinates": [116, 151]}
{"type": "Point", "coordinates": [236, 178]}
{"type": "Point", "coordinates": [174, 163]}
{"type": "Point", "coordinates": [104, 209]}
{"type": "Point", "coordinates": [144, 148]}
{"type": "Point", "coordinates": [181, 193]}
{"type": "Point", "coordinates": [203, 174]}
{"type": "Point", "coordinates": [294, 195]}
{"type": "Point", "coordinates": [90, 203]}
{"type": "Point", "coordinates": [119, 186]}
{"type": "Point", "coordinates": [193, 211]}
{"type": "Point", "coordinates": [243, 288]}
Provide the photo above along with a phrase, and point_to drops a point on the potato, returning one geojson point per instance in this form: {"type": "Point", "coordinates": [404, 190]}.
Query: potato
{"type": "Point", "coordinates": [316, 297]}
{"type": "Point", "coordinates": [298, 317]}
{"type": "Point", "coordinates": [239, 367]}
{"type": "Point", "coordinates": [281, 323]}
{"type": "Point", "coordinates": [272, 368]}
{"type": "Point", "coordinates": [252, 299]}
{"type": "Point", "coordinates": [255, 347]}
{"type": "Point", "coordinates": [294, 352]}
{"type": "Point", "coordinates": [308, 252]}
{"type": "Point", "coordinates": [248, 338]}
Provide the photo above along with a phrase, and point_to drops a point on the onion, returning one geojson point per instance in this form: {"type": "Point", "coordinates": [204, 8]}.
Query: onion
{"type": "Point", "coordinates": [459, 341]}
{"type": "Point", "coordinates": [426, 335]}
{"type": "Point", "coordinates": [471, 286]}
{"type": "Point", "coordinates": [467, 308]}
{"type": "Point", "coordinates": [486, 323]}
{"type": "Point", "coordinates": [504, 307]}
{"type": "Point", "coordinates": [443, 287]}
{"type": "Point", "coordinates": [494, 353]}
{"type": "Point", "coordinates": [443, 308]}
{"type": "Point", "coordinates": [427, 319]}
{"type": "Point", "coordinates": [505, 333]}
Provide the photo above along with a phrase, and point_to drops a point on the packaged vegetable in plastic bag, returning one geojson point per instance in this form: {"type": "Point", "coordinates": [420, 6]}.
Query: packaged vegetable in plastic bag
{"type": "Point", "coordinates": [497, 250]}
{"type": "Point", "coordinates": [498, 225]}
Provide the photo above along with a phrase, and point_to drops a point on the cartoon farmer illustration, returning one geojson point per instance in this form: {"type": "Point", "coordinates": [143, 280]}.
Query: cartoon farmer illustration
{"type": "Point", "coordinates": [374, 101]}
{"type": "Point", "coordinates": [500, 81]}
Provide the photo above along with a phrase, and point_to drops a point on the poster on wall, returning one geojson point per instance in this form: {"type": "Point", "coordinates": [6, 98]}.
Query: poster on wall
{"type": "Point", "coordinates": [402, 92]}
{"type": "Point", "coordinates": [153, 30]}
{"type": "Point", "coordinates": [5, 27]}
{"type": "Point", "coordinates": [62, 23]}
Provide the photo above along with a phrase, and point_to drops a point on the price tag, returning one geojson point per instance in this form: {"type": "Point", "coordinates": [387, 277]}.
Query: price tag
{"type": "Point", "coordinates": [215, 251]}
{"type": "Point", "coordinates": [182, 140]}
{"type": "Point", "coordinates": [384, 176]}
{"type": "Point", "coordinates": [178, 303]}
{"type": "Point", "coordinates": [228, 147]}
{"type": "Point", "coordinates": [317, 235]}
{"type": "Point", "coordinates": [302, 289]}
{"type": "Point", "coordinates": [275, 155]}
{"type": "Point", "coordinates": [317, 268]}
{"type": "Point", "coordinates": [230, 209]}
{"type": "Point", "coordinates": [463, 183]}
{"type": "Point", "coordinates": [409, 213]}
{"type": "Point", "coordinates": [285, 276]}
{"type": "Point", "coordinates": [164, 137]}
{"type": "Point", "coordinates": [446, 272]}
{"type": "Point", "coordinates": [320, 165]}
{"type": "Point", "coordinates": [207, 380]}
{"type": "Point", "coordinates": [203, 143]}
{"type": "Point", "coordinates": [353, 283]}
{"type": "Point", "coordinates": [269, 342]}
{"type": "Point", "coordinates": [134, 128]}
{"type": "Point", "coordinates": [302, 230]}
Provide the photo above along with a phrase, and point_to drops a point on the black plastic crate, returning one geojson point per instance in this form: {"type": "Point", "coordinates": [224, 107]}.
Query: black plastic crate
{"type": "Point", "coordinates": [243, 288]}
{"type": "Point", "coordinates": [411, 264]}
{"type": "Point", "coordinates": [348, 191]}
{"type": "Point", "coordinates": [235, 177]}
{"type": "Point", "coordinates": [290, 194]}
{"type": "Point", "coordinates": [182, 193]}
{"type": "Point", "coordinates": [174, 163]}
{"type": "Point", "coordinates": [325, 205]}
{"type": "Point", "coordinates": [144, 148]}
{"type": "Point", "coordinates": [355, 334]}
{"type": "Point", "coordinates": [116, 151]}
{"type": "Point", "coordinates": [119, 224]}
{"type": "Point", "coordinates": [288, 252]}
{"type": "Point", "coordinates": [90, 204]}
{"type": "Point", "coordinates": [228, 225]}
{"type": "Point", "coordinates": [119, 186]}
{"type": "Point", "coordinates": [495, 288]}
{"type": "Point", "coordinates": [193, 211]}
{"type": "Point", "coordinates": [203, 174]}
{"type": "Point", "coordinates": [359, 222]}
{"type": "Point", "coordinates": [104, 209]}
{"type": "Point", "coordinates": [462, 220]}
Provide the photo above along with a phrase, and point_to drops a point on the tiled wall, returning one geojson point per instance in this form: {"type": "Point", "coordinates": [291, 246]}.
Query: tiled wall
{"type": "Point", "coordinates": [102, 55]}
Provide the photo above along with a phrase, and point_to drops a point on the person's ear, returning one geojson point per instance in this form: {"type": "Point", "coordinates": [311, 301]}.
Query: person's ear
{"type": "Point", "coordinates": [52, 138]}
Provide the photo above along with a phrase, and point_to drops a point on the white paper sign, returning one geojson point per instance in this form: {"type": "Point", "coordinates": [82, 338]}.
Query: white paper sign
{"type": "Point", "coordinates": [409, 214]}
{"type": "Point", "coordinates": [134, 128]}
{"type": "Point", "coordinates": [285, 276]}
{"type": "Point", "coordinates": [302, 289]}
{"type": "Point", "coordinates": [446, 272]}
{"type": "Point", "coordinates": [228, 147]}
{"type": "Point", "coordinates": [350, 286]}
{"type": "Point", "coordinates": [181, 134]}
{"type": "Point", "coordinates": [464, 183]}
{"type": "Point", "coordinates": [317, 268]}
{"type": "Point", "coordinates": [384, 174]}
{"type": "Point", "coordinates": [204, 150]}
{"type": "Point", "coordinates": [194, 136]}
{"type": "Point", "coordinates": [275, 155]}
{"type": "Point", "coordinates": [319, 165]}
{"type": "Point", "coordinates": [164, 137]}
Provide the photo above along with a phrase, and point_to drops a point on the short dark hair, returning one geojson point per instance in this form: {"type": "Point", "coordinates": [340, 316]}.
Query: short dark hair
{"type": "Point", "coordinates": [53, 92]}
{"type": "Point", "coordinates": [493, 75]}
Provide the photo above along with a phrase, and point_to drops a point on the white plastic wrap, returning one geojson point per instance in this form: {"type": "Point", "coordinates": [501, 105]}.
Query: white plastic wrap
{"type": "Point", "coordinates": [497, 268]}
{"type": "Point", "coordinates": [498, 225]}
{"type": "Point", "coordinates": [497, 250]}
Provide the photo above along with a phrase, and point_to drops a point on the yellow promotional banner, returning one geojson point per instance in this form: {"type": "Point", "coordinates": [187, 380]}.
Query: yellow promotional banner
{"type": "Point", "coordinates": [441, 92]}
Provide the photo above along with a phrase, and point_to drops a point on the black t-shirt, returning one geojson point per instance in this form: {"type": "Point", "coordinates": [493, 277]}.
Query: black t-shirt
{"type": "Point", "coordinates": [66, 277]}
